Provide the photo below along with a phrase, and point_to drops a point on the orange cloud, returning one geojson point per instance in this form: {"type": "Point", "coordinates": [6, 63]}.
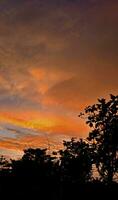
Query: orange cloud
{"type": "Point", "coordinates": [51, 123]}
{"type": "Point", "coordinates": [54, 63]}
{"type": "Point", "coordinates": [53, 129]}
{"type": "Point", "coordinates": [16, 146]}
{"type": "Point", "coordinates": [45, 78]}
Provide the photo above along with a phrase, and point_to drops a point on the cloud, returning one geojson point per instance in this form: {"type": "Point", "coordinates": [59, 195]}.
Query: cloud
{"type": "Point", "coordinates": [15, 147]}
{"type": "Point", "coordinates": [9, 130]}
{"type": "Point", "coordinates": [56, 57]}
{"type": "Point", "coordinates": [78, 92]}
{"type": "Point", "coordinates": [72, 35]}
{"type": "Point", "coordinates": [43, 123]}
{"type": "Point", "coordinates": [32, 35]}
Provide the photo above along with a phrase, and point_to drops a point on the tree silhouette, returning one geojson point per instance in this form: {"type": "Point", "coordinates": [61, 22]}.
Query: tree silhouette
{"type": "Point", "coordinates": [36, 171]}
{"type": "Point", "coordinates": [3, 161]}
{"type": "Point", "coordinates": [75, 160]}
{"type": "Point", "coordinates": [34, 163]}
{"type": "Point", "coordinates": [4, 165]}
{"type": "Point", "coordinates": [68, 172]}
{"type": "Point", "coordinates": [103, 119]}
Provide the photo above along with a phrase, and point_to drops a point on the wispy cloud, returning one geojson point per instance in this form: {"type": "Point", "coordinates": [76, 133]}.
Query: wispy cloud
{"type": "Point", "coordinates": [56, 57]}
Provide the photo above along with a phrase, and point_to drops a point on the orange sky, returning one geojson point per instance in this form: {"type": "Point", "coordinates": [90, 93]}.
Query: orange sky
{"type": "Point", "coordinates": [56, 57]}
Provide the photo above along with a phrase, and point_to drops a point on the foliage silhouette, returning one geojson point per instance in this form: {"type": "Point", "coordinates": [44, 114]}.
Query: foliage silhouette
{"type": "Point", "coordinates": [67, 173]}
{"type": "Point", "coordinates": [75, 161]}
{"type": "Point", "coordinates": [34, 162]}
{"type": "Point", "coordinates": [103, 119]}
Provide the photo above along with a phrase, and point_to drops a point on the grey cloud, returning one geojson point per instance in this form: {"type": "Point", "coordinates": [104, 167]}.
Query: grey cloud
{"type": "Point", "coordinates": [8, 101]}
{"type": "Point", "coordinates": [9, 130]}
{"type": "Point", "coordinates": [31, 24]}
{"type": "Point", "coordinates": [18, 89]}
{"type": "Point", "coordinates": [48, 33]}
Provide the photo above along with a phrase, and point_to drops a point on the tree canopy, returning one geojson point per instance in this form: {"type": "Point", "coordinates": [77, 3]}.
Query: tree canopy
{"type": "Point", "coordinates": [103, 120]}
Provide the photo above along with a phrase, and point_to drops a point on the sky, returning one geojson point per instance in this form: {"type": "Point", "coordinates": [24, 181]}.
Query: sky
{"type": "Point", "coordinates": [56, 58]}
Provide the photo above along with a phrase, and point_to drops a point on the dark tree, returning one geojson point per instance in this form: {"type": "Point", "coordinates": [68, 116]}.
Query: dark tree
{"type": "Point", "coordinates": [75, 161]}
{"type": "Point", "coordinates": [103, 120]}
{"type": "Point", "coordinates": [3, 161]}
{"type": "Point", "coordinates": [4, 165]}
{"type": "Point", "coordinates": [34, 163]}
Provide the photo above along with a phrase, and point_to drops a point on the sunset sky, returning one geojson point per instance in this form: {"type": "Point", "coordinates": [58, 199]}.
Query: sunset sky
{"type": "Point", "coordinates": [56, 57]}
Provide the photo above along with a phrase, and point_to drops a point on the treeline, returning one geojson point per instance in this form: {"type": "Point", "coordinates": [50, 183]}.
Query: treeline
{"type": "Point", "coordinates": [71, 171]}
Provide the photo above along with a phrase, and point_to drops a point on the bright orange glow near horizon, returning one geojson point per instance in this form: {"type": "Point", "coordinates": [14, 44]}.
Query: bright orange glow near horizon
{"type": "Point", "coordinates": [56, 58]}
